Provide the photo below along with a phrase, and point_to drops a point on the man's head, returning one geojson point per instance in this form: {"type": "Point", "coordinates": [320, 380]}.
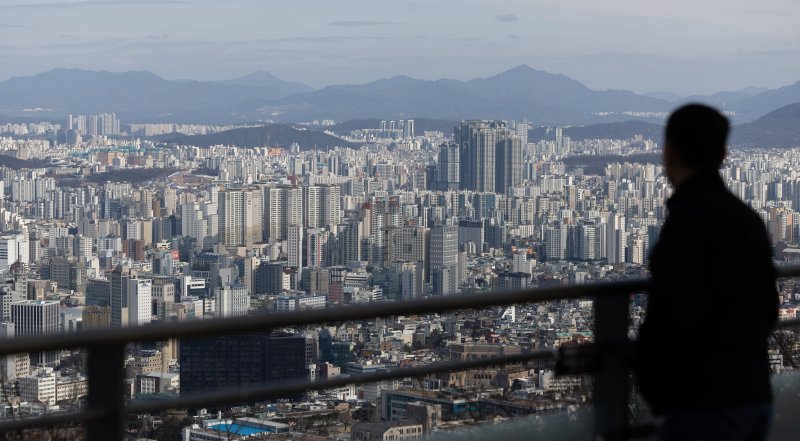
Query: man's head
{"type": "Point", "coordinates": [694, 141]}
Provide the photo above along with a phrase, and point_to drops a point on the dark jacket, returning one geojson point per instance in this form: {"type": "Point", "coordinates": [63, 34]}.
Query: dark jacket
{"type": "Point", "coordinates": [712, 304]}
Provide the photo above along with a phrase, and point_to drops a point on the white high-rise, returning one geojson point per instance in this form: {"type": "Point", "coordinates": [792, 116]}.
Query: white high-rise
{"type": "Point", "coordinates": [322, 206]}
{"type": "Point", "coordinates": [283, 206]}
{"type": "Point", "coordinates": [193, 221]}
{"type": "Point", "coordinates": [140, 301]}
{"type": "Point", "coordinates": [231, 301]}
{"type": "Point", "coordinates": [555, 238]}
{"type": "Point", "coordinates": [444, 259]}
{"type": "Point", "coordinates": [241, 211]}
{"type": "Point", "coordinates": [615, 238]}
{"type": "Point", "coordinates": [9, 252]}
{"type": "Point", "coordinates": [521, 263]}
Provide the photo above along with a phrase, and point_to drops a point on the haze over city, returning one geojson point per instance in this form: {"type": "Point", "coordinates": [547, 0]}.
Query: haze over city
{"type": "Point", "coordinates": [644, 46]}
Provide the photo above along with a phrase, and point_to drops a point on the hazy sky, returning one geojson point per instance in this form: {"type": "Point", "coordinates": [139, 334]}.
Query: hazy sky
{"type": "Point", "coordinates": [680, 46]}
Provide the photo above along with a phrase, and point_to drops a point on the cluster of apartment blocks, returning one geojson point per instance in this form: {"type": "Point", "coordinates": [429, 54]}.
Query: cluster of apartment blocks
{"type": "Point", "coordinates": [328, 221]}
{"type": "Point", "coordinates": [286, 231]}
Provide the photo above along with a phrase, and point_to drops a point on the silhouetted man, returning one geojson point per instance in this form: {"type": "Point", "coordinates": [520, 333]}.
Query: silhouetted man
{"type": "Point", "coordinates": [701, 358]}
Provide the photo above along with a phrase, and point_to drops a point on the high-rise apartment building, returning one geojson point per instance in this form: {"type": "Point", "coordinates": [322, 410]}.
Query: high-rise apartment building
{"type": "Point", "coordinates": [283, 206]}
{"type": "Point", "coordinates": [382, 214]}
{"type": "Point", "coordinates": [616, 238]}
{"type": "Point", "coordinates": [349, 241]}
{"type": "Point", "coordinates": [241, 211]}
{"type": "Point", "coordinates": [444, 259]}
{"type": "Point", "coordinates": [555, 239]}
{"type": "Point", "coordinates": [409, 129]}
{"type": "Point", "coordinates": [319, 243]}
{"type": "Point", "coordinates": [294, 250]}
{"type": "Point", "coordinates": [322, 206]}
{"type": "Point", "coordinates": [411, 244]}
{"type": "Point", "coordinates": [477, 142]}
{"type": "Point", "coordinates": [448, 169]}
{"type": "Point", "coordinates": [508, 162]}
{"type": "Point", "coordinates": [119, 297]}
{"type": "Point", "coordinates": [490, 156]}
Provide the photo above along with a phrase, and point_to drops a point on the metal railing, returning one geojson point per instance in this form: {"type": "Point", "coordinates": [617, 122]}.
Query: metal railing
{"type": "Point", "coordinates": [107, 409]}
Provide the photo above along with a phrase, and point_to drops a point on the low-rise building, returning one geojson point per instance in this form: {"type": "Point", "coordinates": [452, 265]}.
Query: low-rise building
{"type": "Point", "coordinates": [40, 387]}
{"type": "Point", "coordinates": [386, 431]}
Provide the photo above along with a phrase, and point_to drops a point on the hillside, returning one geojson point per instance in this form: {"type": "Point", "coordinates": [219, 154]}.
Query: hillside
{"type": "Point", "coordinates": [421, 125]}
{"type": "Point", "coordinates": [521, 92]}
{"type": "Point", "coordinates": [272, 135]}
{"type": "Point", "coordinates": [133, 176]}
{"type": "Point", "coordinates": [762, 104]}
{"type": "Point", "coordinates": [780, 128]}
{"type": "Point", "coordinates": [616, 130]}
{"type": "Point", "coordinates": [595, 165]}
{"type": "Point", "coordinates": [262, 78]}
{"type": "Point", "coordinates": [18, 164]}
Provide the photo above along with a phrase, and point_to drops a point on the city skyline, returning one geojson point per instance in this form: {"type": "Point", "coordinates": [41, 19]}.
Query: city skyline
{"type": "Point", "coordinates": [108, 232]}
{"type": "Point", "coordinates": [316, 219]}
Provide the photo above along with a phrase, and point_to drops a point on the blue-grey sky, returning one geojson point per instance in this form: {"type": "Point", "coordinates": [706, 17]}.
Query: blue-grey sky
{"type": "Point", "coordinates": [679, 46]}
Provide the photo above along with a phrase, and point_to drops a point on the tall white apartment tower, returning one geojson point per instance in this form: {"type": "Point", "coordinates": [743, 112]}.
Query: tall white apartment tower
{"type": "Point", "coordinates": [241, 211]}
{"type": "Point", "coordinates": [322, 206]}
{"type": "Point", "coordinates": [615, 238]}
{"type": "Point", "coordinates": [555, 238]}
{"type": "Point", "coordinates": [283, 206]}
{"type": "Point", "coordinates": [444, 258]}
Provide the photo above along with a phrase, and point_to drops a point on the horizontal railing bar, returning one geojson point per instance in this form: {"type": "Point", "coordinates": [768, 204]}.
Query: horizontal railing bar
{"type": "Point", "coordinates": [339, 313]}
{"type": "Point", "coordinates": [788, 323]}
{"type": "Point", "coordinates": [51, 420]}
{"type": "Point", "coordinates": [282, 388]}
{"type": "Point", "coordinates": [260, 322]}
{"type": "Point", "coordinates": [267, 321]}
{"type": "Point", "coordinates": [788, 270]}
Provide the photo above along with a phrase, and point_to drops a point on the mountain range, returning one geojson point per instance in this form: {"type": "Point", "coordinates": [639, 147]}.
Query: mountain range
{"type": "Point", "coordinates": [518, 93]}
{"type": "Point", "coordinates": [780, 128]}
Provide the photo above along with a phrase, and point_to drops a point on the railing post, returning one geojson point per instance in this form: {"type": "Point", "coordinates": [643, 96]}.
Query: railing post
{"type": "Point", "coordinates": [106, 375]}
{"type": "Point", "coordinates": [611, 379]}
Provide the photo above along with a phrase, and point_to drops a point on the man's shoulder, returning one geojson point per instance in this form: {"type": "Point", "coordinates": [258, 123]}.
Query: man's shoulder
{"type": "Point", "coordinates": [736, 208]}
{"type": "Point", "coordinates": [720, 201]}
{"type": "Point", "coordinates": [719, 211]}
